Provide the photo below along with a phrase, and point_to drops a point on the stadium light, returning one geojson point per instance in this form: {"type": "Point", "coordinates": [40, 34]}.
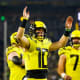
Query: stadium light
{"type": "Point", "coordinates": [78, 18]}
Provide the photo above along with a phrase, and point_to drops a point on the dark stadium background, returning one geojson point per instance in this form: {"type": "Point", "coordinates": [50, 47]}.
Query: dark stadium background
{"type": "Point", "coordinates": [52, 12]}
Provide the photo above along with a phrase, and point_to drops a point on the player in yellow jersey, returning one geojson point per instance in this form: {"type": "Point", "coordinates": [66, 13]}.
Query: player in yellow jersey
{"type": "Point", "coordinates": [15, 60]}
{"type": "Point", "coordinates": [38, 46]}
{"type": "Point", "coordinates": [69, 62]}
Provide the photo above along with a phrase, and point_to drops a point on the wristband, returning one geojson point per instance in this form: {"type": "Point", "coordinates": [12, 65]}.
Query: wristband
{"type": "Point", "coordinates": [62, 75]}
{"type": "Point", "coordinates": [66, 29]}
{"type": "Point", "coordinates": [23, 24]}
{"type": "Point", "coordinates": [67, 32]}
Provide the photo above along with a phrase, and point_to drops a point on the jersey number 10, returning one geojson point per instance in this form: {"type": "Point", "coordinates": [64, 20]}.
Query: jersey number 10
{"type": "Point", "coordinates": [41, 56]}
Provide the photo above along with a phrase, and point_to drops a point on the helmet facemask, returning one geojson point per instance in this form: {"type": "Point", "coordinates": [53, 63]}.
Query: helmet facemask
{"type": "Point", "coordinates": [35, 28]}
{"type": "Point", "coordinates": [75, 44]}
{"type": "Point", "coordinates": [40, 33]}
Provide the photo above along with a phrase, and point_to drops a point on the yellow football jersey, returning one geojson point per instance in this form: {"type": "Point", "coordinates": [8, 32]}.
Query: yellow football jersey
{"type": "Point", "coordinates": [16, 72]}
{"type": "Point", "coordinates": [36, 58]}
{"type": "Point", "coordinates": [72, 67]}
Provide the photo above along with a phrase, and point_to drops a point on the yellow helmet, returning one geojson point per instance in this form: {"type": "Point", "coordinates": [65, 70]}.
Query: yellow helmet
{"type": "Point", "coordinates": [37, 25]}
{"type": "Point", "coordinates": [13, 39]}
{"type": "Point", "coordinates": [40, 24]}
{"type": "Point", "coordinates": [75, 34]}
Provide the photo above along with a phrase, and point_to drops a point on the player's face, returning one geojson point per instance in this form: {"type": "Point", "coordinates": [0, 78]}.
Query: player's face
{"type": "Point", "coordinates": [76, 41]}
{"type": "Point", "coordinates": [40, 32]}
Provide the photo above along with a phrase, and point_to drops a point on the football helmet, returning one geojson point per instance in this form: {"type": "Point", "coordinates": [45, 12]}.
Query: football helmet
{"type": "Point", "coordinates": [36, 26]}
{"type": "Point", "coordinates": [75, 35]}
{"type": "Point", "coordinates": [13, 39]}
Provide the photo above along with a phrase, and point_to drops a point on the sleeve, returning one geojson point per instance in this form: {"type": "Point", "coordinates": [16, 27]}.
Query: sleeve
{"type": "Point", "coordinates": [10, 49]}
{"type": "Point", "coordinates": [32, 45]}
{"type": "Point", "coordinates": [50, 42]}
{"type": "Point", "coordinates": [61, 51]}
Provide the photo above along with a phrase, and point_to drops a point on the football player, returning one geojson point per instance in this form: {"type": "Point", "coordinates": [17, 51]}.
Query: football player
{"type": "Point", "coordinates": [15, 59]}
{"type": "Point", "coordinates": [38, 45]}
{"type": "Point", "coordinates": [69, 61]}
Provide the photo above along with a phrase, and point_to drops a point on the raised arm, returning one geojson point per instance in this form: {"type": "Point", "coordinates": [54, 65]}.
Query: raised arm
{"type": "Point", "coordinates": [20, 34]}
{"type": "Point", "coordinates": [64, 39]}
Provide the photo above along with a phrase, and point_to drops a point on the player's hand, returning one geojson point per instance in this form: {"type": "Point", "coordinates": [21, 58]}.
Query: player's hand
{"type": "Point", "coordinates": [67, 77]}
{"type": "Point", "coordinates": [11, 55]}
{"type": "Point", "coordinates": [68, 23]}
{"type": "Point", "coordinates": [26, 14]}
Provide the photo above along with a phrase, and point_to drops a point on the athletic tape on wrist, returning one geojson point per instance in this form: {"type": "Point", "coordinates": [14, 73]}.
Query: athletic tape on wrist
{"type": "Point", "coordinates": [62, 75]}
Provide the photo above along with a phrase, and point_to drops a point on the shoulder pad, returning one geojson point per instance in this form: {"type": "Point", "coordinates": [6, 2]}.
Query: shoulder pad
{"type": "Point", "coordinates": [68, 48]}
{"type": "Point", "coordinates": [46, 39]}
{"type": "Point", "coordinates": [9, 49]}
{"type": "Point", "coordinates": [64, 50]}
